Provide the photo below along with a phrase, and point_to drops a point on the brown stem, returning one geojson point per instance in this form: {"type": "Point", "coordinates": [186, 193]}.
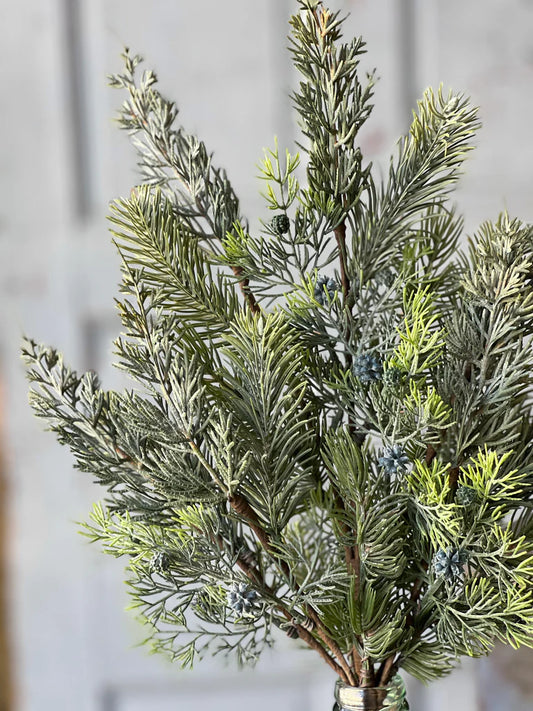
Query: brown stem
{"type": "Point", "coordinates": [353, 563]}
{"type": "Point", "coordinates": [312, 642]}
{"type": "Point", "coordinates": [431, 453]}
{"type": "Point", "coordinates": [340, 668]}
{"type": "Point", "coordinates": [386, 671]}
{"type": "Point", "coordinates": [388, 667]}
{"type": "Point", "coordinates": [242, 507]}
{"type": "Point", "coordinates": [453, 477]}
{"type": "Point", "coordinates": [368, 677]}
{"type": "Point", "coordinates": [340, 236]}
{"type": "Point", "coordinates": [255, 576]}
{"type": "Point", "coordinates": [331, 643]}
{"type": "Point", "coordinates": [356, 661]}
{"type": "Point", "coordinates": [244, 285]}
{"type": "Point", "coordinates": [413, 599]}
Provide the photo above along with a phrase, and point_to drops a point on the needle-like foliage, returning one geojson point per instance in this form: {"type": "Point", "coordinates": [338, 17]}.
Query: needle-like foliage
{"type": "Point", "coordinates": [329, 429]}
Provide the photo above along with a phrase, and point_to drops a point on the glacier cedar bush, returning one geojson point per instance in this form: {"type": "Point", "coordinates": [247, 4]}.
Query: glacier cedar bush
{"type": "Point", "coordinates": [329, 429]}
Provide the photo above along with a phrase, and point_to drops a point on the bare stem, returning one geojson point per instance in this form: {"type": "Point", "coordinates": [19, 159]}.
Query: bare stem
{"type": "Point", "coordinates": [242, 507]}
{"type": "Point", "coordinates": [386, 671]}
{"type": "Point", "coordinates": [244, 285]}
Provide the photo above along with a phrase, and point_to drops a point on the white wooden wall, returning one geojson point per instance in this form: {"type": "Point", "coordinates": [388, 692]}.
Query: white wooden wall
{"type": "Point", "coordinates": [62, 160]}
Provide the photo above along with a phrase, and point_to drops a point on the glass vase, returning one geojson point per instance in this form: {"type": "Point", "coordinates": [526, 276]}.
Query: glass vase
{"type": "Point", "coordinates": [353, 698]}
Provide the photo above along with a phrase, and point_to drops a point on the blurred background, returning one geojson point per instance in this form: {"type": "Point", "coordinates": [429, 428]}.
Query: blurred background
{"type": "Point", "coordinates": [66, 642]}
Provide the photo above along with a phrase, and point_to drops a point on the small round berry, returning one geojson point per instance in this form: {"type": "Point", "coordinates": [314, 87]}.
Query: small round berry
{"type": "Point", "coordinates": [280, 224]}
{"type": "Point", "coordinates": [449, 563]}
{"type": "Point", "coordinates": [367, 368]}
{"type": "Point", "coordinates": [241, 598]}
{"type": "Point", "coordinates": [394, 460]}
{"type": "Point", "coordinates": [325, 285]}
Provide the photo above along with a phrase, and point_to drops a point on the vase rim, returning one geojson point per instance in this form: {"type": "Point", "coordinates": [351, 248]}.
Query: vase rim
{"type": "Point", "coordinates": [357, 698]}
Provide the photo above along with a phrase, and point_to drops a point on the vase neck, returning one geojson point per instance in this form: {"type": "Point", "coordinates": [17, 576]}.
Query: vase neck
{"type": "Point", "coordinates": [354, 698]}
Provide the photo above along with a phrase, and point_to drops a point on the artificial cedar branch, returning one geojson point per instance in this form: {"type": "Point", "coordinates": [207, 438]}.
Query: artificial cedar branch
{"type": "Point", "coordinates": [160, 144]}
{"type": "Point", "coordinates": [340, 235]}
{"type": "Point", "coordinates": [388, 667]}
{"type": "Point", "coordinates": [244, 509]}
{"type": "Point", "coordinates": [255, 576]}
{"type": "Point", "coordinates": [341, 670]}
{"type": "Point", "coordinates": [353, 563]}
{"type": "Point", "coordinates": [238, 503]}
{"type": "Point", "coordinates": [352, 555]}
{"type": "Point", "coordinates": [241, 506]}
{"type": "Point", "coordinates": [351, 552]}
{"type": "Point", "coordinates": [303, 633]}
{"type": "Point", "coordinates": [244, 284]}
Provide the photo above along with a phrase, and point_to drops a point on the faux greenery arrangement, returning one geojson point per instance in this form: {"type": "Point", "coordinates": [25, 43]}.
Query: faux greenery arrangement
{"type": "Point", "coordinates": [331, 430]}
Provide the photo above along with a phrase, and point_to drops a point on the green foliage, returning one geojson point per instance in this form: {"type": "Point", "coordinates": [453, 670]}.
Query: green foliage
{"type": "Point", "coordinates": [331, 418]}
{"type": "Point", "coordinates": [171, 263]}
{"type": "Point", "coordinates": [420, 345]}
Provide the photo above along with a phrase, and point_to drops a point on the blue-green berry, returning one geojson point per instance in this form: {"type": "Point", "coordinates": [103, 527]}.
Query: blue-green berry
{"type": "Point", "coordinates": [330, 286]}
{"type": "Point", "coordinates": [394, 460]}
{"type": "Point", "coordinates": [465, 496]}
{"type": "Point", "coordinates": [367, 368]}
{"type": "Point", "coordinates": [241, 598]}
{"type": "Point", "coordinates": [449, 563]}
{"type": "Point", "coordinates": [280, 224]}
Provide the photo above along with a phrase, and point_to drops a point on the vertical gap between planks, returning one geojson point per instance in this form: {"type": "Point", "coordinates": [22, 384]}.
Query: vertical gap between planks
{"type": "Point", "coordinates": [408, 75]}
{"type": "Point", "coordinates": [76, 93]}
